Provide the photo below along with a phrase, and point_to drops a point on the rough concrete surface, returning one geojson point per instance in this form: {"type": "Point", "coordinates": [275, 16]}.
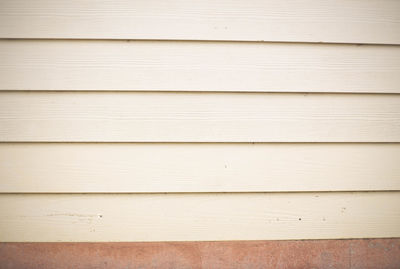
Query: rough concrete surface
{"type": "Point", "coordinates": [343, 254]}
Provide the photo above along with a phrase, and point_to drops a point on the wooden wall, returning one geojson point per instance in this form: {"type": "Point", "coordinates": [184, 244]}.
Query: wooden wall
{"type": "Point", "coordinates": [199, 120]}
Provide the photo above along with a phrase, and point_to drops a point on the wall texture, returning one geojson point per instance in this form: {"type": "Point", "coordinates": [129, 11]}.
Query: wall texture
{"type": "Point", "coordinates": [199, 120]}
{"type": "Point", "coordinates": [340, 254]}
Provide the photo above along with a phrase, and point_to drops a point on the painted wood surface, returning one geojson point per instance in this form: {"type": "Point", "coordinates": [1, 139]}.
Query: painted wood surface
{"type": "Point", "coordinates": [119, 73]}
{"type": "Point", "coordinates": [182, 167]}
{"type": "Point", "coordinates": [203, 217]}
{"type": "Point", "coordinates": [372, 21]}
{"type": "Point", "coordinates": [197, 66]}
{"type": "Point", "coordinates": [198, 117]}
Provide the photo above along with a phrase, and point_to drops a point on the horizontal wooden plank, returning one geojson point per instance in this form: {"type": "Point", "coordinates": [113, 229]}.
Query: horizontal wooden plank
{"type": "Point", "coordinates": [372, 21]}
{"type": "Point", "coordinates": [126, 167]}
{"type": "Point", "coordinates": [344, 254]}
{"type": "Point", "coordinates": [204, 217]}
{"type": "Point", "coordinates": [197, 66]}
{"type": "Point", "coordinates": [198, 117]}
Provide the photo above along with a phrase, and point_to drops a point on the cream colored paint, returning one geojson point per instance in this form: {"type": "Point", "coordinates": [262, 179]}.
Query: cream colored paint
{"type": "Point", "coordinates": [183, 167]}
{"type": "Point", "coordinates": [198, 117]}
{"type": "Point", "coordinates": [186, 217]}
{"type": "Point", "coordinates": [197, 66]}
{"type": "Point", "coordinates": [362, 21]}
{"type": "Point", "coordinates": [94, 80]}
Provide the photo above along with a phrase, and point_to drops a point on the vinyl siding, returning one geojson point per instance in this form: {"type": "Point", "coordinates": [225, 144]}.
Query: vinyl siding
{"type": "Point", "coordinates": [336, 21]}
{"type": "Point", "coordinates": [204, 120]}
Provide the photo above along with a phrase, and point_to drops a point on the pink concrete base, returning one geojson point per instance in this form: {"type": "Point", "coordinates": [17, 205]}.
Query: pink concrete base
{"type": "Point", "coordinates": [343, 254]}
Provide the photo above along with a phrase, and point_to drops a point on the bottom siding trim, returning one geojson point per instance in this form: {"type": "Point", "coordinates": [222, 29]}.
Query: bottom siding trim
{"type": "Point", "coordinates": [345, 254]}
{"type": "Point", "coordinates": [198, 217]}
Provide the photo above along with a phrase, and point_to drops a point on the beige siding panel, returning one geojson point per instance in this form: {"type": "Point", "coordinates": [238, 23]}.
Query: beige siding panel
{"type": "Point", "coordinates": [198, 117]}
{"type": "Point", "coordinates": [197, 66]}
{"type": "Point", "coordinates": [360, 21]}
{"type": "Point", "coordinates": [144, 167]}
{"type": "Point", "coordinates": [192, 217]}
